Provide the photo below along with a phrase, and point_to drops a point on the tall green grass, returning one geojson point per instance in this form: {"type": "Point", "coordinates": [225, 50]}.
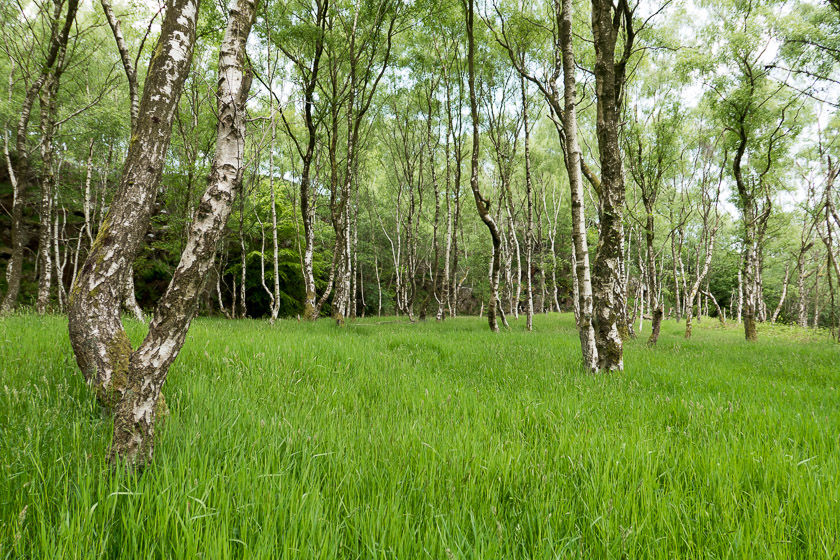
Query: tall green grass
{"type": "Point", "coordinates": [386, 439]}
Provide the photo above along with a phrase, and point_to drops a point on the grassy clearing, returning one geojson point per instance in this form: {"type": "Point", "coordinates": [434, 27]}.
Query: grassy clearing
{"type": "Point", "coordinates": [431, 441]}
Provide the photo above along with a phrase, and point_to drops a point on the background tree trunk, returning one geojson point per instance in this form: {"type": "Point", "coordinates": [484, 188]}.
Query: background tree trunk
{"type": "Point", "coordinates": [481, 203]}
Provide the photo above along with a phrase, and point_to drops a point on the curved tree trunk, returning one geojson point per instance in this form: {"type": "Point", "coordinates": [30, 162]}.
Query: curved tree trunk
{"type": "Point", "coordinates": [481, 203]}
{"type": "Point", "coordinates": [783, 296]}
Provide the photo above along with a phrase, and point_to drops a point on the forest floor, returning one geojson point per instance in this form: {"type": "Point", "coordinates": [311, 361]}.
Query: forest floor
{"type": "Point", "coordinates": [386, 439]}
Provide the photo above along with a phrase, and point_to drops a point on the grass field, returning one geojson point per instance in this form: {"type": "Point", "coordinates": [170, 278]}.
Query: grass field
{"type": "Point", "coordinates": [391, 440]}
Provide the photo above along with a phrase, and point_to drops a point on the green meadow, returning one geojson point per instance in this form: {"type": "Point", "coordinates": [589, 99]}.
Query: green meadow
{"type": "Point", "coordinates": [387, 439]}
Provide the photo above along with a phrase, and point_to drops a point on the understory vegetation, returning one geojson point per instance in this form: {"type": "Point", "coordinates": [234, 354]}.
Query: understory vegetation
{"type": "Point", "coordinates": [390, 439]}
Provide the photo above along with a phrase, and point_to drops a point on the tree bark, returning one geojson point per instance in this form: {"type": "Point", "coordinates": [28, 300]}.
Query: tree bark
{"type": "Point", "coordinates": [307, 208]}
{"type": "Point", "coordinates": [586, 324]}
{"type": "Point", "coordinates": [481, 203]}
{"type": "Point", "coordinates": [133, 442]}
{"type": "Point", "coordinates": [607, 284]}
{"type": "Point", "coordinates": [49, 107]}
{"type": "Point", "coordinates": [695, 286]}
{"type": "Point", "coordinates": [529, 216]}
{"type": "Point", "coordinates": [783, 296]}
{"type": "Point", "coordinates": [446, 279]}
{"type": "Point", "coordinates": [58, 42]}
{"type": "Point", "coordinates": [747, 199]}
{"type": "Point", "coordinates": [129, 299]}
{"type": "Point", "coordinates": [99, 341]}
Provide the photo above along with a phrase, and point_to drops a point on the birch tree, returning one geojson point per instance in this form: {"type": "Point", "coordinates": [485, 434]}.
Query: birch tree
{"type": "Point", "coordinates": [127, 380]}
{"type": "Point", "coordinates": [564, 116]}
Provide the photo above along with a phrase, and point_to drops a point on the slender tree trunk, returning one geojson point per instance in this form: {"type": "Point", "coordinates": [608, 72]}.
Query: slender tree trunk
{"type": "Point", "coordinates": [129, 302]}
{"type": "Point", "coordinates": [515, 295]}
{"type": "Point", "coordinates": [59, 240]}
{"type": "Point", "coordinates": [552, 237]}
{"type": "Point", "coordinates": [354, 264]}
{"type": "Point", "coordinates": [816, 324]}
{"type": "Point", "coordinates": [275, 261]}
{"type": "Point", "coordinates": [529, 216]}
{"type": "Point", "coordinates": [783, 296]}
{"type": "Point", "coordinates": [243, 260]}
{"type": "Point", "coordinates": [48, 107]}
{"type": "Point", "coordinates": [710, 297]}
{"type": "Point", "coordinates": [86, 203]}
{"type": "Point", "coordinates": [677, 303]}
{"type": "Point", "coordinates": [14, 267]}
{"type": "Point", "coordinates": [307, 207]}
{"type": "Point", "coordinates": [444, 300]}
{"type": "Point", "coordinates": [435, 272]}
{"type": "Point", "coordinates": [268, 292]}
{"type": "Point", "coordinates": [59, 33]}
{"type": "Point", "coordinates": [219, 295]}
{"type": "Point", "coordinates": [481, 203]}
{"type": "Point", "coordinates": [657, 306]}
{"type": "Point", "coordinates": [586, 301]}
{"type": "Point", "coordinates": [342, 285]}
{"type": "Point", "coordinates": [695, 286]}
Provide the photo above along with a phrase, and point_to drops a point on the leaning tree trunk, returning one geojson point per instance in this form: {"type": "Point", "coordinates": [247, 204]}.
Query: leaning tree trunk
{"type": "Point", "coordinates": [695, 287]}
{"type": "Point", "coordinates": [481, 203]}
{"type": "Point", "coordinates": [134, 417]}
{"type": "Point", "coordinates": [720, 312]}
{"type": "Point", "coordinates": [99, 341]}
